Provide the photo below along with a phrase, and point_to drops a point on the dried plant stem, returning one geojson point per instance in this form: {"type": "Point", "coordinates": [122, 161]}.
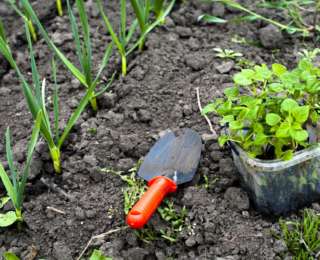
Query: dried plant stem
{"type": "Point", "coordinates": [100, 236]}
{"type": "Point", "coordinates": [200, 108]}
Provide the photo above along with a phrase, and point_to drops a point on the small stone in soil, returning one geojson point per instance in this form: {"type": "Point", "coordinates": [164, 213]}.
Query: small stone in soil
{"type": "Point", "coordinates": [225, 67]}
{"type": "Point", "coordinates": [270, 37]}
{"type": "Point", "coordinates": [125, 164]}
{"type": "Point", "coordinates": [61, 251]}
{"type": "Point", "coordinates": [209, 137]}
{"type": "Point", "coordinates": [196, 61]}
{"type": "Point", "coordinates": [237, 198]}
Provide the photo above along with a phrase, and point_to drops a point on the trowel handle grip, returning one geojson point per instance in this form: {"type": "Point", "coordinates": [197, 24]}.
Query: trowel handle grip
{"type": "Point", "coordinates": [142, 211]}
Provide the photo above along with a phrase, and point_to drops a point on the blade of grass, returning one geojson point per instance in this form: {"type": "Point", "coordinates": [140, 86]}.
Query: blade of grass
{"type": "Point", "coordinates": [9, 155]}
{"type": "Point", "coordinates": [152, 26]}
{"type": "Point", "coordinates": [31, 147]}
{"type": "Point", "coordinates": [107, 86]}
{"type": "Point", "coordinates": [74, 70]}
{"type": "Point", "coordinates": [158, 6]}
{"type": "Point", "coordinates": [115, 38]}
{"type": "Point", "coordinates": [2, 31]}
{"type": "Point", "coordinates": [59, 7]}
{"type": "Point", "coordinates": [55, 101]}
{"type": "Point", "coordinates": [8, 185]}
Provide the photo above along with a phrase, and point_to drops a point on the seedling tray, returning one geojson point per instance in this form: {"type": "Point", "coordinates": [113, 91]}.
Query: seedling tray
{"type": "Point", "coordinates": [278, 187]}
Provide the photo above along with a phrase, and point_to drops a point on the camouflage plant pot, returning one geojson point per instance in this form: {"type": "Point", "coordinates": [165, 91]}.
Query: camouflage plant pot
{"type": "Point", "coordinates": [278, 187]}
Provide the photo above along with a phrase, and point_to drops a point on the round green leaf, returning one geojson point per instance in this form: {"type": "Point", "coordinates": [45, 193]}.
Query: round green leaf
{"type": "Point", "coordinates": [7, 219]}
{"type": "Point", "coordinates": [288, 105]}
{"type": "Point", "coordinates": [300, 135]}
{"type": "Point", "coordinates": [272, 119]}
{"type": "Point", "coordinates": [231, 92]}
{"type": "Point", "coordinates": [235, 125]}
{"type": "Point", "coordinates": [278, 69]}
{"type": "Point", "coordinates": [244, 78]}
{"type": "Point", "coordinates": [301, 114]}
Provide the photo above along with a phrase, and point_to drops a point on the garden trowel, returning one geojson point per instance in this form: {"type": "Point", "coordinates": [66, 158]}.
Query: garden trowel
{"type": "Point", "coordinates": [173, 160]}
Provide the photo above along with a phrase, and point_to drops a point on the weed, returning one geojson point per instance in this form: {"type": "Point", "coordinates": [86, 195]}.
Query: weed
{"type": "Point", "coordinates": [133, 192]}
{"type": "Point", "coordinates": [98, 255]}
{"type": "Point", "coordinates": [252, 16]}
{"type": "Point", "coordinates": [15, 182]}
{"type": "Point", "coordinates": [10, 256]}
{"type": "Point", "coordinates": [267, 110]}
{"type": "Point", "coordinates": [303, 237]}
{"type": "Point", "coordinates": [227, 54]}
{"type": "Point", "coordinates": [309, 54]}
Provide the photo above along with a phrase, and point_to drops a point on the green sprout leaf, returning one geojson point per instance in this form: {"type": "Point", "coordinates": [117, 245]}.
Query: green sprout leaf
{"type": "Point", "coordinates": [301, 113]}
{"type": "Point", "coordinates": [278, 69]}
{"type": "Point", "coordinates": [98, 255]}
{"type": "Point", "coordinates": [272, 119]}
{"type": "Point", "coordinates": [288, 105]}
{"type": "Point", "coordinates": [244, 78]}
{"type": "Point", "coordinates": [300, 135]}
{"type": "Point", "coordinates": [211, 19]}
{"type": "Point", "coordinates": [8, 218]}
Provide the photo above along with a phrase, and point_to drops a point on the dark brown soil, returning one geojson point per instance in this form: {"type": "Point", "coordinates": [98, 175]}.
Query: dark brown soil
{"type": "Point", "coordinates": [158, 93]}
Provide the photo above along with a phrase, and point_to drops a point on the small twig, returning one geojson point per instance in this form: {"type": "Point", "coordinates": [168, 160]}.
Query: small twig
{"type": "Point", "coordinates": [200, 108]}
{"type": "Point", "coordinates": [56, 210]}
{"type": "Point", "coordinates": [99, 236]}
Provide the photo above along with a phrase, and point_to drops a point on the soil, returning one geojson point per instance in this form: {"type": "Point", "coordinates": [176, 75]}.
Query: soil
{"type": "Point", "coordinates": [63, 212]}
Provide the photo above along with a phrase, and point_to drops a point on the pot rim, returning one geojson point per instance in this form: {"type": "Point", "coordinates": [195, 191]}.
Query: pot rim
{"type": "Point", "coordinates": [277, 164]}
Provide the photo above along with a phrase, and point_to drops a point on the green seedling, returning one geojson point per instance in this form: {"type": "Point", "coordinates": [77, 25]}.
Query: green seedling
{"type": "Point", "coordinates": [133, 192]}
{"type": "Point", "coordinates": [15, 182]}
{"type": "Point", "coordinates": [36, 100]}
{"type": "Point", "coordinates": [10, 256]}
{"type": "Point", "coordinates": [83, 49]}
{"type": "Point", "coordinates": [124, 37]}
{"type": "Point", "coordinates": [267, 110]}
{"type": "Point", "coordinates": [303, 237]}
{"type": "Point", "coordinates": [59, 7]}
{"type": "Point", "coordinates": [252, 16]}
{"type": "Point", "coordinates": [142, 10]}
{"type": "Point", "coordinates": [227, 54]}
{"type": "Point", "coordinates": [98, 255]}
{"type": "Point", "coordinates": [211, 19]}
{"type": "Point", "coordinates": [309, 54]}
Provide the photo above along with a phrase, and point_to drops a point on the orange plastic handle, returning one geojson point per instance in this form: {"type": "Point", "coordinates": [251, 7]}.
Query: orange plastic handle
{"type": "Point", "coordinates": [142, 211]}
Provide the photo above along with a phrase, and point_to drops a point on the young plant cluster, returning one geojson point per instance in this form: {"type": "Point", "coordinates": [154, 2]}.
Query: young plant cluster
{"type": "Point", "coordinates": [302, 237]}
{"type": "Point", "coordinates": [149, 14]}
{"type": "Point", "coordinates": [168, 212]}
{"type": "Point", "coordinates": [268, 111]}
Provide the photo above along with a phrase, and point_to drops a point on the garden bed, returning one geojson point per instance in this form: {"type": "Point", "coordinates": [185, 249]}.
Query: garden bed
{"type": "Point", "coordinates": [63, 212]}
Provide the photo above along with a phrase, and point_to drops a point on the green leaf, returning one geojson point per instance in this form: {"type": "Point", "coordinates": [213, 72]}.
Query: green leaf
{"type": "Point", "coordinates": [222, 140]}
{"type": "Point", "coordinates": [262, 73]}
{"type": "Point", "coordinates": [260, 139]}
{"type": "Point", "coordinates": [211, 19]}
{"type": "Point", "coordinates": [314, 116]}
{"type": "Point", "coordinates": [278, 69]}
{"type": "Point", "coordinates": [7, 219]}
{"type": "Point", "coordinates": [301, 113]}
{"type": "Point", "coordinates": [283, 130]}
{"type": "Point", "coordinates": [288, 105]}
{"type": "Point", "coordinates": [272, 119]}
{"type": "Point", "coordinates": [300, 135]}
{"type": "Point", "coordinates": [10, 256]}
{"type": "Point", "coordinates": [227, 119]}
{"type": "Point", "coordinates": [287, 155]}
{"type": "Point", "coordinates": [4, 201]}
{"type": "Point", "coordinates": [98, 255]}
{"type": "Point", "coordinates": [208, 109]}
{"type": "Point", "coordinates": [236, 125]}
{"type": "Point", "coordinates": [276, 87]}
{"type": "Point", "coordinates": [231, 92]}
{"type": "Point", "coordinates": [244, 78]}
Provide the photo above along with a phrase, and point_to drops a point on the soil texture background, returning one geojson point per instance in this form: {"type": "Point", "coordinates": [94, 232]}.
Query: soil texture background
{"type": "Point", "coordinates": [159, 93]}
